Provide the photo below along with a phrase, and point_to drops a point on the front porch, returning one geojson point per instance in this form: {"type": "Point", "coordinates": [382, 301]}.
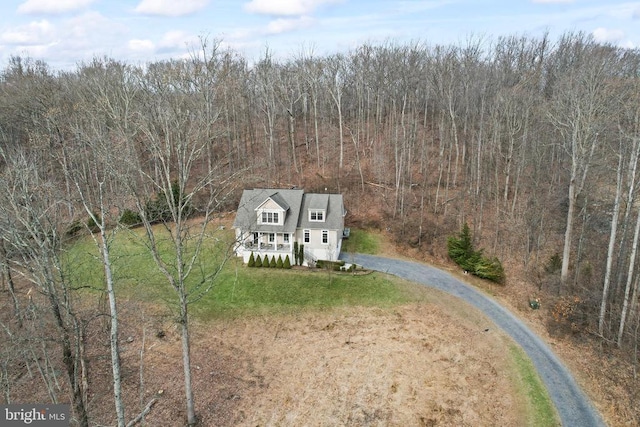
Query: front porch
{"type": "Point", "coordinates": [271, 244]}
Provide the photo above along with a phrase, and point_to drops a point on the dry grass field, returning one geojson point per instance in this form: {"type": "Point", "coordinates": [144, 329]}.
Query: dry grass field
{"type": "Point", "coordinates": [421, 364]}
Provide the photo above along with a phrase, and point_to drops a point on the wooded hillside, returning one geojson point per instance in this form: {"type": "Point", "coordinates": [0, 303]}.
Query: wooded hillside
{"type": "Point", "coordinates": [533, 142]}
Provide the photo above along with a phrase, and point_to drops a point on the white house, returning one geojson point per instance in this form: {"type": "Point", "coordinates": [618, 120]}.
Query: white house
{"type": "Point", "coordinates": [269, 221]}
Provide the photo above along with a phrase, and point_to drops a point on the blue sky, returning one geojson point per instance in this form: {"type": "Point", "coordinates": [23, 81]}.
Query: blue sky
{"type": "Point", "coordinates": [66, 32]}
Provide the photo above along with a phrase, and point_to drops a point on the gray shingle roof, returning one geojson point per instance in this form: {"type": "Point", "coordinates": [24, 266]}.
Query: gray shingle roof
{"type": "Point", "coordinates": [290, 200]}
{"type": "Point", "coordinates": [296, 203]}
{"type": "Point", "coordinates": [318, 201]}
{"type": "Point", "coordinates": [333, 206]}
{"type": "Point", "coordinates": [280, 200]}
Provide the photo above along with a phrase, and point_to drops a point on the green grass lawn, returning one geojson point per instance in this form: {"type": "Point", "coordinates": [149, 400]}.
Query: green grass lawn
{"type": "Point", "coordinates": [238, 289]}
{"type": "Point", "coordinates": [540, 408]}
{"type": "Point", "coordinates": [361, 241]}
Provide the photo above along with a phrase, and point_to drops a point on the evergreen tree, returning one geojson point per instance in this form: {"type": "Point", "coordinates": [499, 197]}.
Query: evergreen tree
{"type": "Point", "coordinates": [130, 218]}
{"type": "Point", "coordinates": [158, 209]}
{"type": "Point", "coordinates": [91, 223]}
{"type": "Point", "coordinates": [461, 249]}
{"type": "Point", "coordinates": [252, 260]}
{"type": "Point", "coordinates": [258, 261]}
{"type": "Point", "coordinates": [462, 253]}
{"type": "Point", "coordinates": [490, 269]}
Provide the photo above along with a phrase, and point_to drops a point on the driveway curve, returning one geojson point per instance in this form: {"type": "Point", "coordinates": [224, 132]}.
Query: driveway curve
{"type": "Point", "coordinates": [573, 406]}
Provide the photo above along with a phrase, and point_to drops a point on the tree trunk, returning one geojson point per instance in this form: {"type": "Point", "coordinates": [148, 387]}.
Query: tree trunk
{"type": "Point", "coordinates": [71, 364]}
{"type": "Point", "coordinates": [186, 360]}
{"type": "Point", "coordinates": [11, 287]}
{"type": "Point", "coordinates": [566, 251]}
{"type": "Point", "coordinates": [631, 271]}
{"type": "Point", "coordinates": [612, 245]}
{"type": "Point", "coordinates": [113, 338]}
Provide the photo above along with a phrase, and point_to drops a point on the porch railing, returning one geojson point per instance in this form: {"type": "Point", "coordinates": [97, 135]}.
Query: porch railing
{"type": "Point", "coordinates": [280, 247]}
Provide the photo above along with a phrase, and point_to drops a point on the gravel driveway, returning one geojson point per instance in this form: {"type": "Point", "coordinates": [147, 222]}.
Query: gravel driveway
{"type": "Point", "coordinates": [572, 404]}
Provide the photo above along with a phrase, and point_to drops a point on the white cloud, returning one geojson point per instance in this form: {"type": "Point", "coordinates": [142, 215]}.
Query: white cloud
{"type": "Point", "coordinates": [52, 6]}
{"type": "Point", "coordinates": [623, 11]}
{"type": "Point", "coordinates": [36, 51]}
{"type": "Point", "coordinates": [33, 33]}
{"type": "Point", "coordinates": [170, 7]}
{"type": "Point", "coordinates": [141, 45]}
{"type": "Point", "coordinates": [177, 41]}
{"type": "Point", "coordinates": [604, 35]}
{"type": "Point", "coordinates": [67, 41]}
{"type": "Point", "coordinates": [628, 44]}
{"type": "Point", "coordinates": [92, 25]}
{"type": "Point", "coordinates": [286, 7]}
{"type": "Point", "coordinates": [283, 25]}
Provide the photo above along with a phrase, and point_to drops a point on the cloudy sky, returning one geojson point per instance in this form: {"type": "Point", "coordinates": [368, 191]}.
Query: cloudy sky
{"type": "Point", "coordinates": [66, 32]}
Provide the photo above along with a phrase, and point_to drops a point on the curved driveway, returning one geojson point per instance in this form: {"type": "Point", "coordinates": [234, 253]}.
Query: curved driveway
{"type": "Point", "coordinates": [572, 405]}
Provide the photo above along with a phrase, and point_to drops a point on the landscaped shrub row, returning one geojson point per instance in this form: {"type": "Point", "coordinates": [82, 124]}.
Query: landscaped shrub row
{"type": "Point", "coordinates": [256, 261]}
{"type": "Point", "coordinates": [335, 265]}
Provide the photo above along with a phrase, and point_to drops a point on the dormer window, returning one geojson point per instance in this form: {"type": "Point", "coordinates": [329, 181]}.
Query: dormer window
{"type": "Point", "coordinates": [270, 218]}
{"type": "Point", "coordinates": [316, 215]}
{"type": "Point", "coordinates": [272, 211]}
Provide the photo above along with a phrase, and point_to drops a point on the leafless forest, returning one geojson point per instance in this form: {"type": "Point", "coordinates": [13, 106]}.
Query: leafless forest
{"type": "Point", "coordinates": [533, 142]}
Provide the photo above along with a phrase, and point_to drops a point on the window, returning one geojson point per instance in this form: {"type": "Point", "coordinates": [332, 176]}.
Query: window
{"type": "Point", "coordinates": [325, 236]}
{"type": "Point", "coordinates": [272, 237]}
{"type": "Point", "coordinates": [270, 218]}
{"type": "Point", "coordinates": [317, 216]}
{"type": "Point", "coordinates": [255, 238]}
{"type": "Point", "coordinates": [286, 237]}
{"type": "Point", "coordinates": [306, 236]}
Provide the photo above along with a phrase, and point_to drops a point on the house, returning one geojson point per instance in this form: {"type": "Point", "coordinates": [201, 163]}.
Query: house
{"type": "Point", "coordinates": [269, 221]}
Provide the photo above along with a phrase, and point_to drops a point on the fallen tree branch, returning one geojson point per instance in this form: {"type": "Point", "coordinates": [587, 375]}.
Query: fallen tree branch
{"type": "Point", "coordinates": [142, 414]}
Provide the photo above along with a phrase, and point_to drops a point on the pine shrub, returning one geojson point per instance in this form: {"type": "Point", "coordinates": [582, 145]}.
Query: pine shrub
{"type": "Point", "coordinates": [287, 263]}
{"type": "Point", "coordinates": [92, 224]}
{"type": "Point", "coordinates": [258, 261]}
{"type": "Point", "coordinates": [490, 269]}
{"type": "Point", "coordinates": [252, 260]}
{"type": "Point", "coordinates": [461, 251]}
{"type": "Point", "coordinates": [130, 218]}
{"type": "Point", "coordinates": [74, 228]}
{"type": "Point", "coordinates": [554, 264]}
{"type": "Point", "coordinates": [158, 208]}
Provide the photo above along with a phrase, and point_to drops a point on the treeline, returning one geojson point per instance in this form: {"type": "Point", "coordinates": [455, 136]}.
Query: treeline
{"type": "Point", "coordinates": [533, 142]}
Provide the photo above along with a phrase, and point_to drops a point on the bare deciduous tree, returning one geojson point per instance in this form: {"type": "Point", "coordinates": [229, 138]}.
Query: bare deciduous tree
{"type": "Point", "coordinates": [174, 124]}
{"type": "Point", "coordinates": [33, 209]}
